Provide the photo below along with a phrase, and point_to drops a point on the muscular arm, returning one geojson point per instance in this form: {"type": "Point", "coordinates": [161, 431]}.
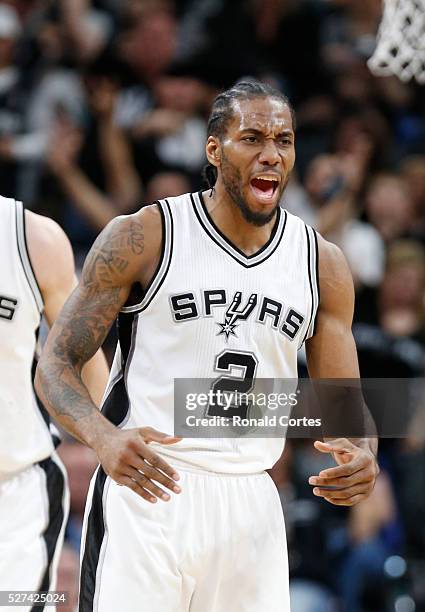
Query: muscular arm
{"type": "Point", "coordinates": [331, 353]}
{"type": "Point", "coordinates": [127, 251]}
{"type": "Point", "coordinates": [53, 262]}
{"type": "Point", "coordinates": [111, 268]}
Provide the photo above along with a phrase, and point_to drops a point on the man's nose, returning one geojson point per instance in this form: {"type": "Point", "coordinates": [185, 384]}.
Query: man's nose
{"type": "Point", "coordinates": [269, 154]}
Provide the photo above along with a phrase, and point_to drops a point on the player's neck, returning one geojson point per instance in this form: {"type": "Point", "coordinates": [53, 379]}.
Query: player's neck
{"type": "Point", "coordinates": [226, 215]}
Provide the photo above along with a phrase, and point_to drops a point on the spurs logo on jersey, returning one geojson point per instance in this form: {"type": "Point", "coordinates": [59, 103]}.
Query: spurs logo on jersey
{"type": "Point", "coordinates": [185, 306]}
{"type": "Point", "coordinates": [7, 307]}
{"type": "Point", "coordinates": [233, 314]}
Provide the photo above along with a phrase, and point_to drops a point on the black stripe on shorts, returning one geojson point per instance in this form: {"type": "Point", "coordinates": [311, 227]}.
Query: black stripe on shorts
{"type": "Point", "coordinates": [94, 537]}
{"type": "Point", "coordinates": [55, 485]}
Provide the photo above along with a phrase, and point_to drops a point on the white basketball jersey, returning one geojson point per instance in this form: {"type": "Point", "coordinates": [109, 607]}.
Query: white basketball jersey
{"type": "Point", "coordinates": [211, 309]}
{"type": "Point", "coordinates": [24, 435]}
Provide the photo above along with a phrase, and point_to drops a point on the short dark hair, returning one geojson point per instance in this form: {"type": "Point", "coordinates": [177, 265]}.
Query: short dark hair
{"type": "Point", "coordinates": [222, 111]}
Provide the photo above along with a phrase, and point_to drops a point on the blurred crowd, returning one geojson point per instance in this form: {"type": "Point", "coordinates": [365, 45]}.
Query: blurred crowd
{"type": "Point", "coordinates": [103, 107]}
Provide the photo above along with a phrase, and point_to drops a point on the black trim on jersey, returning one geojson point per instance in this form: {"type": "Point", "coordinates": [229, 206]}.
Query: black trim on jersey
{"type": "Point", "coordinates": [44, 414]}
{"type": "Point", "coordinates": [247, 263]}
{"type": "Point", "coordinates": [161, 257]}
{"type": "Point", "coordinates": [171, 242]}
{"type": "Point", "coordinates": [116, 407]}
{"type": "Point", "coordinates": [229, 242]}
{"type": "Point", "coordinates": [139, 307]}
{"type": "Point", "coordinates": [317, 278]}
{"type": "Point", "coordinates": [124, 330]}
{"type": "Point", "coordinates": [93, 543]}
{"type": "Point", "coordinates": [27, 256]}
{"type": "Point", "coordinates": [55, 486]}
{"type": "Point", "coordinates": [136, 294]}
{"type": "Point", "coordinates": [311, 284]}
{"type": "Point", "coordinates": [27, 250]}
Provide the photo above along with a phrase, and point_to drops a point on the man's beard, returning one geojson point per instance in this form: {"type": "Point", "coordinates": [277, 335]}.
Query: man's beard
{"type": "Point", "coordinates": [232, 181]}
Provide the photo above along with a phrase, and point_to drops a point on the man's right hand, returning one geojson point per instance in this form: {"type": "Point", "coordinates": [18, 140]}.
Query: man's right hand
{"type": "Point", "coordinates": [126, 457]}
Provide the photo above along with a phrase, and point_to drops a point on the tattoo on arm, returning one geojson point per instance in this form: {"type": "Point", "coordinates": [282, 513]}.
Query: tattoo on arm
{"type": "Point", "coordinates": [87, 317]}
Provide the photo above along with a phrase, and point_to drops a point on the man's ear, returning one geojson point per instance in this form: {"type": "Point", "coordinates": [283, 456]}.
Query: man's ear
{"type": "Point", "coordinates": [213, 151]}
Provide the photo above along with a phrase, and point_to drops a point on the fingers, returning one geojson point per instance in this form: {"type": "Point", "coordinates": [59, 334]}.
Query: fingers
{"type": "Point", "coordinates": [344, 491]}
{"type": "Point", "coordinates": [135, 486]}
{"type": "Point", "coordinates": [363, 475]}
{"type": "Point", "coordinates": [150, 472]}
{"type": "Point", "coordinates": [344, 497]}
{"type": "Point", "coordinates": [152, 435]}
{"type": "Point", "coordinates": [348, 483]}
{"type": "Point", "coordinates": [157, 462]}
{"type": "Point", "coordinates": [343, 471]}
{"type": "Point", "coordinates": [360, 467]}
{"type": "Point", "coordinates": [340, 445]}
{"type": "Point", "coordinates": [147, 485]}
{"type": "Point", "coordinates": [352, 501]}
{"type": "Point", "coordinates": [141, 479]}
{"type": "Point", "coordinates": [340, 493]}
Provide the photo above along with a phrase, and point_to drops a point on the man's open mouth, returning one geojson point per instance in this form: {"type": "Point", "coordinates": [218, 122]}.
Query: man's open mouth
{"type": "Point", "coordinates": [265, 186]}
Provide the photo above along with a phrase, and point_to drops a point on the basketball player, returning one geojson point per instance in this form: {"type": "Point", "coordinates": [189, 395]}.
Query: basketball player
{"type": "Point", "coordinates": [37, 275]}
{"type": "Point", "coordinates": [202, 284]}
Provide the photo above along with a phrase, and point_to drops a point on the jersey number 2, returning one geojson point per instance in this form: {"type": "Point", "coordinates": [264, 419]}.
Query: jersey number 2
{"type": "Point", "coordinates": [241, 382]}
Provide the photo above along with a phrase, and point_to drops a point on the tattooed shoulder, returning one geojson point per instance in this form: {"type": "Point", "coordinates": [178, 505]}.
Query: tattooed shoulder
{"type": "Point", "coordinates": [115, 255]}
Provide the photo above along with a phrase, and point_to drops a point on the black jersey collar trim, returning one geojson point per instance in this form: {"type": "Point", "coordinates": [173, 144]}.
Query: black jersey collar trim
{"type": "Point", "coordinates": [222, 241]}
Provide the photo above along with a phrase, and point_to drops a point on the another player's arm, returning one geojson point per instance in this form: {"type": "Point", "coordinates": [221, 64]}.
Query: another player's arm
{"type": "Point", "coordinates": [331, 353]}
{"type": "Point", "coordinates": [125, 252]}
{"type": "Point", "coordinates": [53, 262]}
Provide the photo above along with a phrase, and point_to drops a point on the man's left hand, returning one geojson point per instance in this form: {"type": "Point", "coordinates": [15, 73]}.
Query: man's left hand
{"type": "Point", "coordinates": [354, 477]}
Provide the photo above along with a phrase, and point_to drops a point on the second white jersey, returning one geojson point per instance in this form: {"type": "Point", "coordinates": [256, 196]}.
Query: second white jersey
{"type": "Point", "coordinates": [208, 310]}
{"type": "Point", "coordinates": [24, 435]}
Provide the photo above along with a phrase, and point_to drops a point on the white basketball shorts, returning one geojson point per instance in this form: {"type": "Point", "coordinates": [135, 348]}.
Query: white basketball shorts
{"type": "Point", "coordinates": [34, 506]}
{"type": "Point", "coordinates": [218, 546]}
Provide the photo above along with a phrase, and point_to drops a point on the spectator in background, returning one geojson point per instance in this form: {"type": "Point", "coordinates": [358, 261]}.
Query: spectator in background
{"type": "Point", "coordinates": [369, 542]}
{"type": "Point", "coordinates": [22, 120]}
{"type": "Point", "coordinates": [94, 168]}
{"type": "Point", "coordinates": [308, 525]}
{"type": "Point", "coordinates": [412, 171]}
{"type": "Point", "coordinates": [146, 48]}
{"type": "Point", "coordinates": [401, 295]}
{"type": "Point", "coordinates": [410, 471]}
{"type": "Point", "coordinates": [171, 136]}
{"type": "Point", "coordinates": [166, 184]}
{"type": "Point", "coordinates": [348, 34]}
{"type": "Point", "coordinates": [358, 124]}
{"type": "Point", "coordinates": [333, 184]}
{"type": "Point", "coordinates": [389, 320]}
{"type": "Point", "coordinates": [13, 93]}
{"type": "Point", "coordinates": [36, 86]}
{"type": "Point", "coordinates": [389, 206]}
{"type": "Point", "coordinates": [86, 29]}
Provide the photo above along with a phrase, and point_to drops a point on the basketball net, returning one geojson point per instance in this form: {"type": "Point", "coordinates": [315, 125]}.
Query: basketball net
{"type": "Point", "coordinates": [400, 48]}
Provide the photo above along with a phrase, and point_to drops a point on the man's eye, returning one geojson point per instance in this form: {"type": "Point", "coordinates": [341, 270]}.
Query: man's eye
{"type": "Point", "coordinates": [285, 141]}
{"type": "Point", "coordinates": [250, 138]}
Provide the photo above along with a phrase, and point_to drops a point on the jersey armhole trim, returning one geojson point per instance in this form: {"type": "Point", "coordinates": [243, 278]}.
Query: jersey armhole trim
{"type": "Point", "coordinates": [317, 279]}
{"type": "Point", "coordinates": [24, 256]}
{"type": "Point", "coordinates": [164, 261]}
{"type": "Point", "coordinates": [313, 278]}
